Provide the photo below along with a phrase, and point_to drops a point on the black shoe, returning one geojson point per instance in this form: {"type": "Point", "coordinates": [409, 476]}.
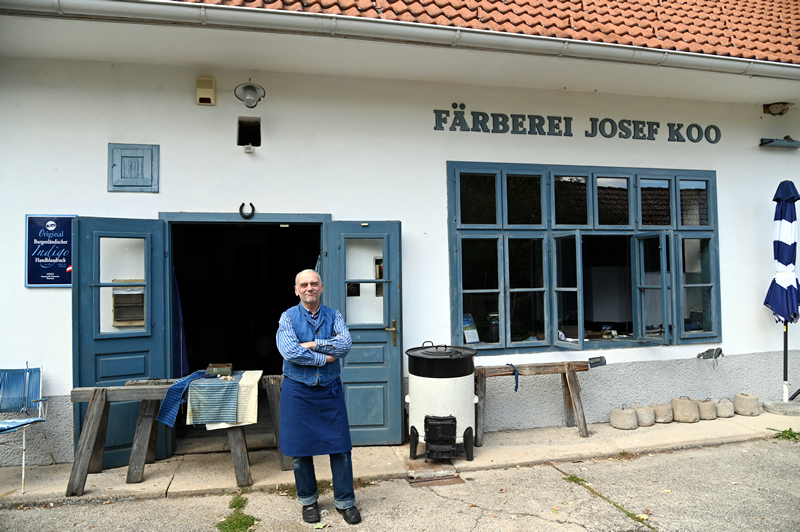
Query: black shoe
{"type": "Point", "coordinates": [311, 513]}
{"type": "Point", "coordinates": [351, 515]}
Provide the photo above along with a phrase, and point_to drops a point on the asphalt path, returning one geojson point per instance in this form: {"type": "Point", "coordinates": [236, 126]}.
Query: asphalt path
{"type": "Point", "coordinates": [752, 486]}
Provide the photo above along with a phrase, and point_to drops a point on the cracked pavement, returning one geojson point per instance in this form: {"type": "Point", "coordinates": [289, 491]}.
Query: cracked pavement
{"type": "Point", "coordinates": [748, 486]}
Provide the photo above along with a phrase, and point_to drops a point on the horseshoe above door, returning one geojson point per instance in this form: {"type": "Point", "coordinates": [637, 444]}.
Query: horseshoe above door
{"type": "Point", "coordinates": [247, 216]}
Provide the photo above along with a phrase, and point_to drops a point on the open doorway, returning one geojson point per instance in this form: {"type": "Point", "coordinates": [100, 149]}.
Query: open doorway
{"type": "Point", "coordinates": [234, 280]}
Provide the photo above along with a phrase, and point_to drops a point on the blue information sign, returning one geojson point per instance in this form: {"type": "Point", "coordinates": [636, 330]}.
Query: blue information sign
{"type": "Point", "coordinates": [48, 245]}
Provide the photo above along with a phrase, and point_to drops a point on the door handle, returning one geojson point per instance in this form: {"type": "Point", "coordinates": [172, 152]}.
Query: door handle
{"type": "Point", "coordinates": [393, 328]}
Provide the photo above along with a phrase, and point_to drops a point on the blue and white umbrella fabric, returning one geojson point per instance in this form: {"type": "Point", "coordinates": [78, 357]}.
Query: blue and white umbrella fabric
{"type": "Point", "coordinates": [783, 294]}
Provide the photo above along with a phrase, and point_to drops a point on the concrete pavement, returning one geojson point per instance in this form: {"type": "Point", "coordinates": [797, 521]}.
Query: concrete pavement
{"type": "Point", "coordinates": [204, 474]}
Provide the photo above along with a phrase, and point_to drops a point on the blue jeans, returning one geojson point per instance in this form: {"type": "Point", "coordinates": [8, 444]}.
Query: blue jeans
{"type": "Point", "coordinates": [305, 480]}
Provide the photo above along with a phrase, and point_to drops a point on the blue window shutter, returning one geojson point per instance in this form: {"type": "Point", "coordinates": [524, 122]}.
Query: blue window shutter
{"type": "Point", "coordinates": [133, 167]}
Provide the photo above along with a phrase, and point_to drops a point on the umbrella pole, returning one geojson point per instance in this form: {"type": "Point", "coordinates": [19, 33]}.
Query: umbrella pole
{"type": "Point", "coordinates": [785, 362]}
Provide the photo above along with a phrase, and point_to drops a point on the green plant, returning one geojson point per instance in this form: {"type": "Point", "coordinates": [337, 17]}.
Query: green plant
{"type": "Point", "coordinates": [787, 434]}
{"type": "Point", "coordinates": [574, 479]}
{"type": "Point", "coordinates": [237, 521]}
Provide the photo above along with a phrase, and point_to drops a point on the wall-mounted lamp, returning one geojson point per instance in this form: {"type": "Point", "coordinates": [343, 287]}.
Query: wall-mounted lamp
{"type": "Point", "coordinates": [777, 108]}
{"type": "Point", "coordinates": [250, 93]}
{"type": "Point", "coordinates": [785, 142]}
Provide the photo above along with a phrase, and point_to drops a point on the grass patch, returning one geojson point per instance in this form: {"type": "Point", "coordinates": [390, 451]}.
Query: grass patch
{"type": "Point", "coordinates": [237, 521]}
{"type": "Point", "coordinates": [574, 479]}
{"type": "Point", "coordinates": [787, 434]}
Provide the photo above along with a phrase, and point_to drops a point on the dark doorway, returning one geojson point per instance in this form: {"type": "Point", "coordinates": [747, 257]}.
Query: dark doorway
{"type": "Point", "coordinates": [234, 281]}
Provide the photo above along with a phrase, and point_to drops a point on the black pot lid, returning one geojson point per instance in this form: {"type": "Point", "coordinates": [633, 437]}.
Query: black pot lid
{"type": "Point", "coordinates": [441, 352]}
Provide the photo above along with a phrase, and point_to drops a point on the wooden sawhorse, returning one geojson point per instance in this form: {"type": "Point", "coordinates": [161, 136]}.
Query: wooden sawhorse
{"type": "Point", "coordinates": [573, 407]}
{"type": "Point", "coordinates": [91, 444]}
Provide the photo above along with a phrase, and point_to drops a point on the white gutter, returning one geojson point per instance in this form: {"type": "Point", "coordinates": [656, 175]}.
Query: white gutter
{"type": "Point", "coordinates": [194, 14]}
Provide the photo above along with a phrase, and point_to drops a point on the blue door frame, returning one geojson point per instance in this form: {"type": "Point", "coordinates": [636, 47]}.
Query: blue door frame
{"type": "Point", "coordinates": [106, 359]}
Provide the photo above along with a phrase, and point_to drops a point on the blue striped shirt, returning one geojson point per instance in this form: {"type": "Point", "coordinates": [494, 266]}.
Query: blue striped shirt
{"type": "Point", "coordinates": [337, 346]}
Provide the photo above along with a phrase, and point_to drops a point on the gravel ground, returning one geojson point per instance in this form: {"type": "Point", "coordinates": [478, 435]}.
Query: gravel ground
{"type": "Point", "coordinates": [750, 486]}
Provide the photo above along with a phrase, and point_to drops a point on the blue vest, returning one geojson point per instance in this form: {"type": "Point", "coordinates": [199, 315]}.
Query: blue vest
{"type": "Point", "coordinates": [306, 331]}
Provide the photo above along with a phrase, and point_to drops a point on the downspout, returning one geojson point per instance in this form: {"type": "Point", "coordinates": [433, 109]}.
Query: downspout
{"type": "Point", "coordinates": [194, 14]}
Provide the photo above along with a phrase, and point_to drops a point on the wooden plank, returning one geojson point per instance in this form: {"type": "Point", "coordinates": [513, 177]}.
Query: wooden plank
{"type": "Point", "coordinates": [272, 383]}
{"type": "Point", "coordinates": [150, 457]}
{"type": "Point", "coordinates": [86, 441]}
{"type": "Point", "coordinates": [150, 382]}
{"type": "Point", "coordinates": [141, 441]}
{"type": "Point", "coordinates": [549, 368]}
{"type": "Point", "coordinates": [96, 464]}
{"type": "Point", "coordinates": [480, 406]}
{"type": "Point", "coordinates": [575, 392]}
{"type": "Point", "coordinates": [241, 461]}
{"type": "Point", "coordinates": [569, 409]}
{"type": "Point", "coordinates": [122, 393]}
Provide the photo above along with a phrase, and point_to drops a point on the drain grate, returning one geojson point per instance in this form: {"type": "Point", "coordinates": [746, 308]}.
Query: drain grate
{"type": "Point", "coordinates": [435, 481]}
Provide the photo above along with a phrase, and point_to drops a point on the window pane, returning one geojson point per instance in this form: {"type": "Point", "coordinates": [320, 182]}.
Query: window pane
{"type": "Point", "coordinates": [527, 316]}
{"type": "Point", "coordinates": [567, 313]}
{"type": "Point", "coordinates": [479, 264]}
{"type": "Point", "coordinates": [607, 299]}
{"type": "Point", "coordinates": [655, 202]}
{"type": "Point", "coordinates": [566, 262]}
{"type": "Point", "coordinates": [483, 309]}
{"type": "Point", "coordinates": [571, 197]}
{"type": "Point", "coordinates": [524, 198]}
{"type": "Point", "coordinates": [694, 202]}
{"type": "Point", "coordinates": [612, 201]}
{"type": "Point", "coordinates": [697, 313]}
{"type": "Point", "coordinates": [525, 263]}
{"type": "Point", "coordinates": [653, 312]}
{"type": "Point", "coordinates": [363, 259]}
{"type": "Point", "coordinates": [121, 259]}
{"type": "Point", "coordinates": [478, 201]}
{"type": "Point", "coordinates": [696, 260]}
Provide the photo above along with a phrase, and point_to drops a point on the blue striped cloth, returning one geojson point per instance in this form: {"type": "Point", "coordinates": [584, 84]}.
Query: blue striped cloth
{"type": "Point", "coordinates": [783, 297]}
{"type": "Point", "coordinates": [174, 397]}
{"type": "Point", "coordinates": [213, 400]}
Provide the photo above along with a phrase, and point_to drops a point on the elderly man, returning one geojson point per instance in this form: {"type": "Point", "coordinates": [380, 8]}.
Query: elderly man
{"type": "Point", "coordinates": [312, 338]}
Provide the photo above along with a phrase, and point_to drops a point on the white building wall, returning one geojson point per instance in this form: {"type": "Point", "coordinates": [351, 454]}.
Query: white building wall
{"type": "Point", "coordinates": [363, 149]}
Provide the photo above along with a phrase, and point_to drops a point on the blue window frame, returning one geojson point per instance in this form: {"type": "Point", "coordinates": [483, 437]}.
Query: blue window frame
{"type": "Point", "coordinates": [546, 257]}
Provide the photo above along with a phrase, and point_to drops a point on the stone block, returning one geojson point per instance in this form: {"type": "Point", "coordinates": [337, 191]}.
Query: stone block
{"type": "Point", "coordinates": [724, 407]}
{"type": "Point", "coordinates": [684, 410]}
{"type": "Point", "coordinates": [746, 404]}
{"type": "Point", "coordinates": [624, 418]}
{"type": "Point", "coordinates": [707, 408]}
{"type": "Point", "coordinates": [645, 415]}
{"type": "Point", "coordinates": [662, 412]}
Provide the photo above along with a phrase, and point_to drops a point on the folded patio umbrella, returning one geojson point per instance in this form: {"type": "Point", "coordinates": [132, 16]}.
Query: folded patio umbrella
{"type": "Point", "coordinates": [782, 295]}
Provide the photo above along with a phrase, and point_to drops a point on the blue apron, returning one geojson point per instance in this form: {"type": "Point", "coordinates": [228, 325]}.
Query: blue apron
{"type": "Point", "coordinates": [313, 419]}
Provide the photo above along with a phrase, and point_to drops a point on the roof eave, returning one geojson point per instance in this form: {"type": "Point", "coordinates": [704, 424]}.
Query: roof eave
{"type": "Point", "coordinates": [195, 14]}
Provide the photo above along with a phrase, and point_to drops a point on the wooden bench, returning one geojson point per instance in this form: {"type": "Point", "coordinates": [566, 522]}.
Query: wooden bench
{"type": "Point", "coordinates": [89, 454]}
{"type": "Point", "coordinates": [573, 407]}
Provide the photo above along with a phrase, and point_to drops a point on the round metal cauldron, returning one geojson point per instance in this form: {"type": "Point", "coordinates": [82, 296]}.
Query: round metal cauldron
{"type": "Point", "coordinates": [441, 400]}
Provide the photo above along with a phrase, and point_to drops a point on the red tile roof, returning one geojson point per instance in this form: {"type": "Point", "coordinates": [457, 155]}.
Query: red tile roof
{"type": "Point", "coordinates": [767, 30]}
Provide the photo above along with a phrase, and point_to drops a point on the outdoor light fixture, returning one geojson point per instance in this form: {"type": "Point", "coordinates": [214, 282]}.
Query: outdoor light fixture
{"type": "Point", "coordinates": [250, 93]}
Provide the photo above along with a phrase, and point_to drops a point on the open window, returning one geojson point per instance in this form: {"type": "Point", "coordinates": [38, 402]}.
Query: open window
{"type": "Point", "coordinates": [548, 257]}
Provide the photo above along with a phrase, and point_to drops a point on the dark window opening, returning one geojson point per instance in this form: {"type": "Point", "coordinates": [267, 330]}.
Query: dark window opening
{"type": "Point", "coordinates": [607, 285]}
